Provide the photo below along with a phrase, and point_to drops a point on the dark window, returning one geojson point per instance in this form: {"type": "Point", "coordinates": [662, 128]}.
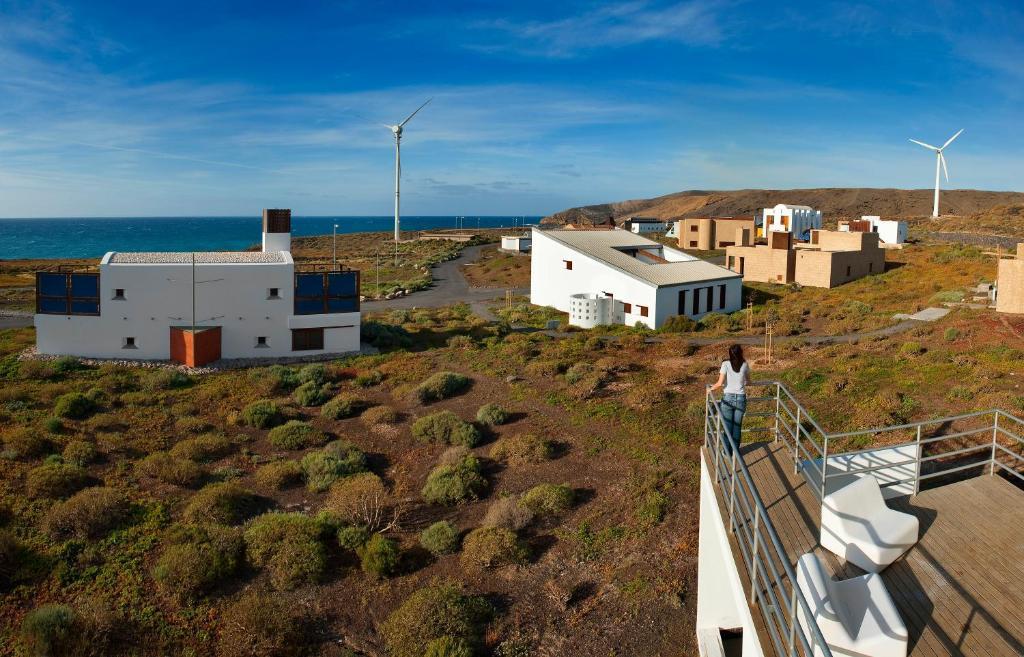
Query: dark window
{"type": "Point", "coordinates": [709, 292]}
{"type": "Point", "coordinates": [274, 293]}
{"type": "Point", "coordinates": [119, 293]}
{"type": "Point", "coordinates": [721, 297]}
{"type": "Point", "coordinates": [682, 302]}
{"type": "Point", "coordinates": [129, 343]}
{"type": "Point", "coordinates": [67, 294]}
{"type": "Point", "coordinates": [696, 302]}
{"type": "Point", "coordinates": [261, 341]}
{"type": "Point", "coordinates": [847, 270]}
{"type": "Point", "coordinates": [871, 266]}
{"type": "Point", "coordinates": [307, 339]}
{"type": "Point", "coordinates": [693, 228]}
{"type": "Point", "coordinates": [693, 244]}
{"type": "Point", "coordinates": [627, 308]}
{"type": "Point", "coordinates": [568, 264]}
{"type": "Point", "coordinates": [643, 311]}
{"type": "Point", "coordinates": [326, 292]}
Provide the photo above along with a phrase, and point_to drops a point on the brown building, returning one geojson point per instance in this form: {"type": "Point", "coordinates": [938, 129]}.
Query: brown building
{"type": "Point", "coordinates": [708, 233]}
{"type": "Point", "coordinates": [830, 259]}
{"type": "Point", "coordinates": [1010, 289]}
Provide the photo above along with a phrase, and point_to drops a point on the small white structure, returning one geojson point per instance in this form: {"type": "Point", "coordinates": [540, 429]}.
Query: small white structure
{"type": "Point", "coordinates": [890, 231]}
{"type": "Point", "coordinates": [673, 230]}
{"type": "Point", "coordinates": [857, 526]}
{"type": "Point", "coordinates": [246, 304]}
{"type": "Point", "coordinates": [797, 219]}
{"type": "Point", "coordinates": [856, 616]}
{"type": "Point", "coordinates": [645, 225]}
{"type": "Point", "coordinates": [651, 281]}
{"type": "Point", "coordinates": [590, 310]}
{"type": "Point", "coordinates": [515, 243]}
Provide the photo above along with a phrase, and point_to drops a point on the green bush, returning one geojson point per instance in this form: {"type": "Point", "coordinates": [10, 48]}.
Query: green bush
{"type": "Point", "coordinates": [53, 425]}
{"type": "Point", "coordinates": [165, 379]}
{"type": "Point", "coordinates": [296, 434]}
{"type": "Point", "coordinates": [506, 512]}
{"type": "Point", "coordinates": [431, 613]}
{"type": "Point", "coordinates": [352, 537]}
{"type": "Point", "coordinates": [678, 324]}
{"type": "Point", "coordinates": [288, 546]}
{"type": "Point", "coordinates": [197, 559]}
{"type": "Point", "coordinates": [55, 480]}
{"type": "Point", "coordinates": [445, 428]}
{"type": "Point", "coordinates": [73, 406]}
{"type": "Point", "coordinates": [260, 625]}
{"type": "Point", "coordinates": [911, 348]}
{"type": "Point", "coordinates": [385, 336]}
{"type": "Point", "coordinates": [368, 379]}
{"type": "Point", "coordinates": [49, 631]}
{"type": "Point", "coordinates": [312, 393]}
{"type": "Point", "coordinates": [338, 459]}
{"type": "Point", "coordinates": [207, 447]}
{"type": "Point", "coordinates": [166, 468]}
{"type": "Point", "coordinates": [578, 372]}
{"type": "Point", "coordinates": [282, 378]}
{"type": "Point", "coordinates": [951, 334]}
{"type": "Point", "coordinates": [65, 365]}
{"type": "Point", "coordinates": [440, 538]}
{"type": "Point", "coordinates": [279, 474]}
{"type": "Point", "coordinates": [379, 415]}
{"type": "Point", "coordinates": [341, 407]}
{"type": "Point", "coordinates": [492, 415]}
{"type": "Point", "coordinates": [448, 646]}
{"type": "Point", "coordinates": [226, 503]}
{"type": "Point", "coordinates": [379, 556]}
{"type": "Point", "coordinates": [548, 499]}
{"type": "Point", "coordinates": [313, 373]}
{"type": "Point", "coordinates": [262, 414]}
{"type": "Point", "coordinates": [651, 508]}
{"type": "Point", "coordinates": [524, 448]}
{"type": "Point", "coordinates": [79, 452]}
{"type": "Point", "coordinates": [25, 442]}
{"type": "Point", "coordinates": [89, 513]}
{"type": "Point", "coordinates": [492, 547]}
{"type": "Point", "coordinates": [360, 498]}
{"type": "Point", "coordinates": [451, 484]}
{"type": "Point", "coordinates": [441, 386]}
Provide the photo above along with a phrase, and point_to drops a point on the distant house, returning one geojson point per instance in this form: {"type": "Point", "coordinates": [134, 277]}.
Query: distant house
{"type": "Point", "coordinates": [830, 259]}
{"type": "Point", "coordinates": [515, 243]}
{"type": "Point", "coordinates": [645, 225]}
{"type": "Point", "coordinates": [615, 276]}
{"type": "Point", "coordinates": [889, 231]}
{"type": "Point", "coordinates": [1010, 285]}
{"type": "Point", "coordinates": [799, 220]}
{"type": "Point", "coordinates": [198, 307]}
{"type": "Point", "coordinates": [709, 233]}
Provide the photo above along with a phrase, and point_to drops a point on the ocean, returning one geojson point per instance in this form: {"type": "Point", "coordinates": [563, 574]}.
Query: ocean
{"type": "Point", "coordinates": [91, 237]}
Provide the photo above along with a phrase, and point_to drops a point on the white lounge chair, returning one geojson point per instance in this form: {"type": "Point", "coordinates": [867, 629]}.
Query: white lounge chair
{"type": "Point", "coordinates": [857, 526]}
{"type": "Point", "coordinates": [856, 616]}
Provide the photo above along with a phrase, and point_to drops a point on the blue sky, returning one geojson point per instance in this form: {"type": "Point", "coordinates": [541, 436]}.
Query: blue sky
{"type": "Point", "coordinates": [115, 109]}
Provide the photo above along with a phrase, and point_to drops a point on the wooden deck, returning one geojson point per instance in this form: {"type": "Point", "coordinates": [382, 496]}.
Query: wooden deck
{"type": "Point", "coordinates": [960, 590]}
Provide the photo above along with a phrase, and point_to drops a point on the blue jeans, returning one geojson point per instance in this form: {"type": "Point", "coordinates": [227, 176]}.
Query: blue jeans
{"type": "Point", "coordinates": [733, 407]}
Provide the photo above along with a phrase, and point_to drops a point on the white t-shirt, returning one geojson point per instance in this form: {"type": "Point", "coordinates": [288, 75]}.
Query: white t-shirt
{"type": "Point", "coordinates": [735, 382]}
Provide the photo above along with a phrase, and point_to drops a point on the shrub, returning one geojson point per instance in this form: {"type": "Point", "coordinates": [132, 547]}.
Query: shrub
{"type": "Point", "coordinates": [313, 373]}
{"type": "Point", "coordinates": [525, 448]}
{"type": "Point", "coordinates": [548, 499]}
{"type": "Point", "coordinates": [296, 434]}
{"type": "Point", "coordinates": [492, 547]}
{"type": "Point", "coordinates": [165, 379]}
{"type": "Point", "coordinates": [678, 324]}
{"type": "Point", "coordinates": [197, 559]}
{"type": "Point", "coordinates": [279, 474]}
{"type": "Point", "coordinates": [166, 468]}
{"type": "Point", "coordinates": [951, 334]}
{"type": "Point", "coordinates": [25, 442]}
{"type": "Point", "coordinates": [288, 546]}
{"type": "Point", "coordinates": [312, 393]}
{"type": "Point", "coordinates": [911, 348]}
{"type": "Point", "coordinates": [259, 625]}
{"type": "Point", "coordinates": [73, 406]}
{"type": "Point", "coordinates": [507, 513]}
{"type": "Point", "coordinates": [192, 424]}
{"type": "Point", "coordinates": [441, 386]}
{"type": "Point", "coordinates": [461, 342]}
{"type": "Point", "coordinates": [379, 556]}
{"type": "Point", "coordinates": [431, 613]}
{"type": "Point", "coordinates": [341, 407]}
{"type": "Point", "coordinates": [79, 452]}
{"type": "Point", "coordinates": [379, 415]}
{"type": "Point", "coordinates": [352, 537]}
{"type": "Point", "coordinates": [65, 365]}
{"type": "Point", "coordinates": [226, 503]}
{"type": "Point", "coordinates": [55, 480]}
{"type": "Point", "coordinates": [368, 379]}
{"type": "Point", "coordinates": [448, 646]}
{"type": "Point", "coordinates": [49, 631]}
{"type": "Point", "coordinates": [651, 509]}
{"type": "Point", "coordinates": [11, 553]}
{"type": "Point", "coordinates": [361, 499]}
{"type": "Point", "coordinates": [440, 538]}
{"type": "Point", "coordinates": [262, 414]}
{"type": "Point", "coordinates": [89, 513]}
{"type": "Point", "coordinates": [578, 373]}
{"type": "Point", "coordinates": [207, 447]}
{"type": "Point", "coordinates": [339, 459]}
{"type": "Point", "coordinates": [445, 428]}
{"type": "Point", "coordinates": [451, 484]}
{"type": "Point", "coordinates": [492, 415]}
{"type": "Point", "coordinates": [53, 425]}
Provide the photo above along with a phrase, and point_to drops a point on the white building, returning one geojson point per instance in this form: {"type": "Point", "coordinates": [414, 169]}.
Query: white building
{"type": "Point", "coordinates": [645, 225]}
{"type": "Point", "coordinates": [649, 282]}
{"type": "Point", "coordinates": [797, 219]}
{"type": "Point", "coordinates": [243, 304]}
{"type": "Point", "coordinates": [515, 243]}
{"type": "Point", "coordinates": [889, 231]}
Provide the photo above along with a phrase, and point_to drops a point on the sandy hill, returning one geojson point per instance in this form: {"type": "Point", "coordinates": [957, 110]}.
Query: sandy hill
{"type": "Point", "coordinates": [833, 202]}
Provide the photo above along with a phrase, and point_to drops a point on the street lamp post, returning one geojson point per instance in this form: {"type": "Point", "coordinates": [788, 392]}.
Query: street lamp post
{"type": "Point", "coordinates": [334, 250]}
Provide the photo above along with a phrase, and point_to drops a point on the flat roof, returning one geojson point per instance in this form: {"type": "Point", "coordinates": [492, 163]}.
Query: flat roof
{"type": "Point", "coordinates": [201, 257]}
{"type": "Point", "coordinates": [606, 246]}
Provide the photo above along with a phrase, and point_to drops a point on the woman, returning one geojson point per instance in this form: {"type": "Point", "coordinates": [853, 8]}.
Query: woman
{"type": "Point", "coordinates": [735, 375]}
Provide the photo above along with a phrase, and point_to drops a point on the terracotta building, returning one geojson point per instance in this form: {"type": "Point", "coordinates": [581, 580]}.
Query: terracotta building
{"type": "Point", "coordinates": [1010, 290]}
{"type": "Point", "coordinates": [708, 233]}
{"type": "Point", "coordinates": [830, 259]}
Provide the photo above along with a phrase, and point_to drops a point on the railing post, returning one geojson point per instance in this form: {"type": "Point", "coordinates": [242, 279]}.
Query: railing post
{"type": "Point", "coordinates": [718, 444]}
{"type": "Point", "coordinates": [917, 466]}
{"type": "Point", "coordinates": [824, 465]}
{"type": "Point", "coordinates": [796, 441]}
{"type": "Point", "coordinates": [792, 621]}
{"type": "Point", "coordinates": [732, 488]}
{"type": "Point", "coordinates": [995, 431]}
{"type": "Point", "coordinates": [753, 553]}
{"type": "Point", "coordinates": [778, 403]}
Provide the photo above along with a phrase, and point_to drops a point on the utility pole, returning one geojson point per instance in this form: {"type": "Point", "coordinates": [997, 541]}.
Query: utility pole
{"type": "Point", "coordinates": [334, 256]}
{"type": "Point", "coordinates": [377, 289]}
{"type": "Point", "coordinates": [193, 295]}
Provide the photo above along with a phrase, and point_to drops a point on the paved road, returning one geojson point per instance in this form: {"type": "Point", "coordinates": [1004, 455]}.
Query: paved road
{"type": "Point", "coordinates": [15, 321]}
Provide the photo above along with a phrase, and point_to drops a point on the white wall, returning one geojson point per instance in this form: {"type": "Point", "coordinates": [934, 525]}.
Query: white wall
{"type": "Point", "coordinates": [645, 227]}
{"type": "Point", "coordinates": [800, 220]}
{"type": "Point", "coordinates": [159, 296]}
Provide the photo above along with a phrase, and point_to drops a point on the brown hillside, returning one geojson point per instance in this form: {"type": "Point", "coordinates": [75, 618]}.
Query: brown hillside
{"type": "Point", "coordinates": [833, 202]}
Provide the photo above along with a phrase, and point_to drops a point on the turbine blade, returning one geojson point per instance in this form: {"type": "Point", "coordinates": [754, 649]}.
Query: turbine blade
{"type": "Point", "coordinates": [942, 158]}
{"type": "Point", "coordinates": [409, 118]}
{"type": "Point", "coordinates": [921, 143]}
{"type": "Point", "coordinates": [952, 138]}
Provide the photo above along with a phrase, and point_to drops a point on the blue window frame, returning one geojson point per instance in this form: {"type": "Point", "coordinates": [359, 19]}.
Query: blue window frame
{"type": "Point", "coordinates": [318, 293]}
{"type": "Point", "coordinates": [67, 294]}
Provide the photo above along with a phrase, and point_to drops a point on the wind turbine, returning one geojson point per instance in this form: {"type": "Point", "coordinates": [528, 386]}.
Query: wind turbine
{"type": "Point", "coordinates": [939, 160]}
{"type": "Point", "coordinates": [397, 131]}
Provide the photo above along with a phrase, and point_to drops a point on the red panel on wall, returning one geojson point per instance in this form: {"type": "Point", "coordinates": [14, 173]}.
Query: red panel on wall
{"type": "Point", "coordinates": [195, 349]}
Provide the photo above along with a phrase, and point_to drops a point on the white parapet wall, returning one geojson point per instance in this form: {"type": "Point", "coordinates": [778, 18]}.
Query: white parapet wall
{"type": "Point", "coordinates": [590, 310]}
{"type": "Point", "coordinates": [895, 464]}
{"type": "Point", "coordinates": [721, 601]}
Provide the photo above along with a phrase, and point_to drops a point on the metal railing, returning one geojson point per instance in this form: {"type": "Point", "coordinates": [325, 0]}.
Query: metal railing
{"type": "Point", "coordinates": [946, 447]}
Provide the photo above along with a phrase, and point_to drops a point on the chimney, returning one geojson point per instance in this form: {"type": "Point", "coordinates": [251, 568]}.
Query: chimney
{"type": "Point", "coordinates": [277, 230]}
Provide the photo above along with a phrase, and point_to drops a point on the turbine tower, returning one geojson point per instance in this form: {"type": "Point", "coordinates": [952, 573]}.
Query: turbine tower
{"type": "Point", "coordinates": [397, 131]}
{"type": "Point", "coordinates": [939, 160]}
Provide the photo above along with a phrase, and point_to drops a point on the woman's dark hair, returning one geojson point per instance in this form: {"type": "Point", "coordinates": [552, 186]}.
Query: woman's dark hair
{"type": "Point", "coordinates": [736, 357]}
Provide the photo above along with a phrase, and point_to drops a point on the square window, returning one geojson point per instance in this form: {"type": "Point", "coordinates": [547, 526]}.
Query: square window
{"type": "Point", "coordinates": [129, 343]}
{"type": "Point", "coordinates": [643, 311]}
{"type": "Point", "coordinates": [261, 341]}
{"type": "Point", "coordinates": [274, 293]}
{"type": "Point", "coordinates": [307, 339]}
{"type": "Point", "coordinates": [568, 264]}
{"type": "Point", "coordinates": [119, 293]}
